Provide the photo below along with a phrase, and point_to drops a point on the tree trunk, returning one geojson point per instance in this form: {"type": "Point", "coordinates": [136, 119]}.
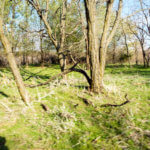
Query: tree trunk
{"type": "Point", "coordinates": [59, 46]}
{"type": "Point", "coordinates": [13, 65]}
{"type": "Point", "coordinates": [84, 30]}
{"type": "Point", "coordinates": [106, 38]}
{"type": "Point", "coordinates": [90, 6]}
{"type": "Point", "coordinates": [98, 53]}
{"type": "Point", "coordinates": [103, 42]}
{"type": "Point", "coordinates": [143, 53]}
{"type": "Point", "coordinates": [114, 53]}
{"type": "Point", "coordinates": [61, 54]}
{"type": "Point", "coordinates": [126, 44]}
{"type": "Point", "coordinates": [136, 54]}
{"type": "Point", "coordinates": [41, 45]}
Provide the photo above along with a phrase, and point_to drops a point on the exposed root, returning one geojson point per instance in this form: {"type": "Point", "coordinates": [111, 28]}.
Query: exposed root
{"type": "Point", "coordinates": [115, 105]}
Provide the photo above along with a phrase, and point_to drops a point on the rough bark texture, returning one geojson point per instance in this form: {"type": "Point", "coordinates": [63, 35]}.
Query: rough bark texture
{"type": "Point", "coordinates": [90, 6]}
{"type": "Point", "coordinates": [98, 53]}
{"type": "Point", "coordinates": [13, 66]}
{"type": "Point", "coordinates": [84, 30]}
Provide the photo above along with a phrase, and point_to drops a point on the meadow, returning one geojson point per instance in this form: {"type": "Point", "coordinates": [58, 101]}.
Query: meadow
{"type": "Point", "coordinates": [64, 115]}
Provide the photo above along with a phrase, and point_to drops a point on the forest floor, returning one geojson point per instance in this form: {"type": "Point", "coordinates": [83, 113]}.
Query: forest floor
{"type": "Point", "coordinates": [74, 118]}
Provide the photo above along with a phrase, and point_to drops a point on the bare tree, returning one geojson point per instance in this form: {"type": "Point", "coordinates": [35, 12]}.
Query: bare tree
{"type": "Point", "coordinates": [140, 35]}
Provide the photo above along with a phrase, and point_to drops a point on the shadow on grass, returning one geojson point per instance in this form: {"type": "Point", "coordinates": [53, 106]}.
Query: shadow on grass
{"type": "Point", "coordinates": [2, 143]}
{"type": "Point", "coordinates": [106, 126]}
{"type": "Point", "coordinates": [129, 70]}
{"type": "Point", "coordinates": [33, 75]}
{"type": "Point", "coordinates": [3, 94]}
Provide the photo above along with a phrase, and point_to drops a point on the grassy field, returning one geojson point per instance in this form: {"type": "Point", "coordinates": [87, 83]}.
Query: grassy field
{"type": "Point", "coordinates": [69, 122]}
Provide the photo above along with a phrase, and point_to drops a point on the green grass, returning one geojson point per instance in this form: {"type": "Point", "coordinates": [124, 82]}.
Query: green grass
{"type": "Point", "coordinates": [66, 127]}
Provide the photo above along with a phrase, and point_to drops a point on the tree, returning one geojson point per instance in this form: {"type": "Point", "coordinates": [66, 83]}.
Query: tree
{"type": "Point", "coordinates": [140, 28]}
{"type": "Point", "coordinates": [10, 57]}
{"type": "Point", "coordinates": [58, 43]}
{"type": "Point", "coordinates": [141, 37]}
{"type": "Point", "coordinates": [98, 52]}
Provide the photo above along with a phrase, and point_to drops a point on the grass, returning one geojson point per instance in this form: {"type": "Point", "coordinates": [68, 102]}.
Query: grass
{"type": "Point", "coordinates": [69, 124]}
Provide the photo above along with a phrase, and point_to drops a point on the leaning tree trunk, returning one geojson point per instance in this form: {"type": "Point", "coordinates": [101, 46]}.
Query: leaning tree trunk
{"type": "Point", "coordinates": [13, 65]}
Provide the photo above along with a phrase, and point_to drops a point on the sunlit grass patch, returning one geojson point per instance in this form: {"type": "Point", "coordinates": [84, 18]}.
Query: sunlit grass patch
{"type": "Point", "coordinates": [69, 123]}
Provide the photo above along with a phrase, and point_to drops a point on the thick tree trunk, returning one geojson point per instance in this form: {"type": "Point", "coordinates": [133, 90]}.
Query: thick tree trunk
{"type": "Point", "coordinates": [90, 6]}
{"type": "Point", "coordinates": [98, 53]}
{"type": "Point", "coordinates": [13, 65]}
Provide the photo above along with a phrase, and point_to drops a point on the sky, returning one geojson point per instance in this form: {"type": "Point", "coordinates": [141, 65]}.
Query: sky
{"type": "Point", "coordinates": [131, 6]}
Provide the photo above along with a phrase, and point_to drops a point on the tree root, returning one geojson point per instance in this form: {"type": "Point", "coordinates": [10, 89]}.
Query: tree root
{"type": "Point", "coordinates": [115, 105]}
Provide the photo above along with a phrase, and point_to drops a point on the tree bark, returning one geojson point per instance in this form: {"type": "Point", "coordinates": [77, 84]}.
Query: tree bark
{"type": "Point", "coordinates": [144, 54]}
{"type": "Point", "coordinates": [90, 6]}
{"type": "Point", "coordinates": [106, 39]}
{"type": "Point", "coordinates": [98, 53]}
{"type": "Point", "coordinates": [41, 45]}
{"type": "Point", "coordinates": [84, 30]}
{"type": "Point", "coordinates": [61, 55]}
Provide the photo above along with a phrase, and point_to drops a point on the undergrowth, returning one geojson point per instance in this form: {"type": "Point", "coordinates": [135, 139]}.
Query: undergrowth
{"type": "Point", "coordinates": [69, 123]}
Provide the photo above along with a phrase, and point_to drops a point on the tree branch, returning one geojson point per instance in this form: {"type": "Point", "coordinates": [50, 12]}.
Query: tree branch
{"type": "Point", "coordinates": [116, 23]}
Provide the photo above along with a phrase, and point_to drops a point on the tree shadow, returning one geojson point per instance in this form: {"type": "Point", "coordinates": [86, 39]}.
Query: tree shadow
{"type": "Point", "coordinates": [33, 75]}
{"type": "Point", "coordinates": [2, 143]}
{"type": "Point", "coordinates": [132, 70]}
{"type": "Point", "coordinates": [3, 94]}
{"type": "Point", "coordinates": [105, 126]}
